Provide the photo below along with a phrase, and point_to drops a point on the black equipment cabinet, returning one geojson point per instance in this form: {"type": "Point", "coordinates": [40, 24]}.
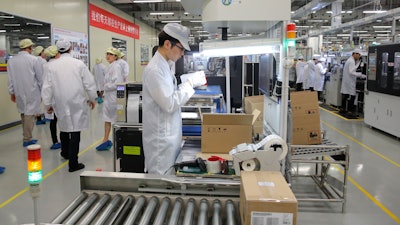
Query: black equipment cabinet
{"type": "Point", "coordinates": [128, 148]}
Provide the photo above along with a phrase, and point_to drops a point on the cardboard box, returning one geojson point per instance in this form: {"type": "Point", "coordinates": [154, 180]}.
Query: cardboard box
{"type": "Point", "coordinates": [255, 102]}
{"type": "Point", "coordinates": [306, 125]}
{"type": "Point", "coordinates": [221, 132]}
{"type": "Point", "coordinates": [266, 196]}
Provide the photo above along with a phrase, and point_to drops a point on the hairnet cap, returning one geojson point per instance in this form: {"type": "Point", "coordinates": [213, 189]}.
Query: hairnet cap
{"type": "Point", "coordinates": [63, 45]}
{"type": "Point", "coordinates": [99, 60]}
{"type": "Point", "coordinates": [315, 57]}
{"type": "Point", "coordinates": [300, 57]}
{"type": "Point", "coordinates": [38, 50]}
{"type": "Point", "coordinates": [121, 54]}
{"type": "Point", "coordinates": [25, 43]}
{"type": "Point", "coordinates": [322, 59]}
{"type": "Point", "coordinates": [51, 51]}
{"type": "Point", "coordinates": [179, 32]}
{"type": "Point", "coordinates": [113, 51]}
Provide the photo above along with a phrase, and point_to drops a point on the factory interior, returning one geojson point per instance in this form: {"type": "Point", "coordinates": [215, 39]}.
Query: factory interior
{"type": "Point", "coordinates": [257, 149]}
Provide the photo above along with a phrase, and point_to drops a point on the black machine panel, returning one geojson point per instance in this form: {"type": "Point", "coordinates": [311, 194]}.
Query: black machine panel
{"type": "Point", "coordinates": [128, 149]}
{"type": "Point", "coordinates": [267, 74]}
{"type": "Point", "coordinates": [384, 69]}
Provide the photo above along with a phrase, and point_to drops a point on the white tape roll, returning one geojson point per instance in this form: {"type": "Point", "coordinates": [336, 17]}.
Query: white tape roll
{"type": "Point", "coordinates": [249, 165]}
{"type": "Point", "coordinates": [274, 141]}
{"type": "Point", "coordinates": [214, 167]}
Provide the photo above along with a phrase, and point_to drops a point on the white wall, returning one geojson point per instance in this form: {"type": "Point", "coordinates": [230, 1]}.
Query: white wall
{"type": "Point", "coordinates": [73, 15]}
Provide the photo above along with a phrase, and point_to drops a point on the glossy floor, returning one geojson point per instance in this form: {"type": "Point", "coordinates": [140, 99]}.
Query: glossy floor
{"type": "Point", "coordinates": [373, 187]}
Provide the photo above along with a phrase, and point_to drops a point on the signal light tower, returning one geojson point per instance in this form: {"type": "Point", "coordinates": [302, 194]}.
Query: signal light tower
{"type": "Point", "coordinates": [34, 175]}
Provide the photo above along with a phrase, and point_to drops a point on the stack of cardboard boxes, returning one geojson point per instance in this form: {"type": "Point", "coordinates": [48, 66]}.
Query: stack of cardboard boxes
{"type": "Point", "coordinates": [306, 125]}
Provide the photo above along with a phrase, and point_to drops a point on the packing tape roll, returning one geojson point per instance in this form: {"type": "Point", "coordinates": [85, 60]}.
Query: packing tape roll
{"type": "Point", "coordinates": [273, 141]}
{"type": "Point", "coordinates": [249, 165]}
{"type": "Point", "coordinates": [213, 166]}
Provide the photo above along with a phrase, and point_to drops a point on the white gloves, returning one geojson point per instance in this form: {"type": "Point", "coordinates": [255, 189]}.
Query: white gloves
{"type": "Point", "coordinates": [195, 79]}
{"type": "Point", "coordinates": [362, 76]}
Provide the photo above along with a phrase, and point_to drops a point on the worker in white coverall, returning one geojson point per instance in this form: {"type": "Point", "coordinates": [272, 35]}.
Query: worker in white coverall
{"type": "Point", "coordinates": [99, 72]}
{"type": "Point", "coordinates": [25, 78]}
{"type": "Point", "coordinates": [113, 77]}
{"type": "Point", "coordinates": [68, 88]}
{"type": "Point", "coordinates": [309, 74]}
{"type": "Point", "coordinates": [300, 73]}
{"type": "Point", "coordinates": [39, 53]}
{"type": "Point", "coordinates": [163, 98]}
{"type": "Point", "coordinates": [124, 65]}
{"type": "Point", "coordinates": [349, 80]}
{"type": "Point", "coordinates": [319, 80]}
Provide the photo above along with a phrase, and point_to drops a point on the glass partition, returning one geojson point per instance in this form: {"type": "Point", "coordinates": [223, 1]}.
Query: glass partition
{"type": "Point", "coordinates": [14, 28]}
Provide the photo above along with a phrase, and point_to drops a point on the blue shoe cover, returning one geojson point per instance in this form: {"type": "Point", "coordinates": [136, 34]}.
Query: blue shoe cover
{"type": "Point", "coordinates": [56, 146]}
{"type": "Point", "coordinates": [105, 146]}
{"type": "Point", "coordinates": [31, 142]}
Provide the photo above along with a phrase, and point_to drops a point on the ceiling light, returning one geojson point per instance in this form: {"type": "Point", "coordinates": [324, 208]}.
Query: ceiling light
{"type": "Point", "coordinates": [343, 35]}
{"type": "Point", "coordinates": [161, 13]}
{"type": "Point", "coordinates": [6, 17]}
{"type": "Point", "coordinates": [171, 21]}
{"type": "Point", "coordinates": [304, 26]}
{"type": "Point", "coordinates": [196, 21]}
{"type": "Point", "coordinates": [12, 24]}
{"type": "Point", "coordinates": [382, 31]}
{"type": "Point", "coordinates": [36, 24]}
{"type": "Point", "coordinates": [374, 11]}
{"type": "Point", "coordinates": [2, 31]}
{"type": "Point", "coordinates": [360, 31]}
{"type": "Point", "coordinates": [377, 27]}
{"type": "Point", "coordinates": [44, 37]}
{"type": "Point", "coordinates": [147, 1]}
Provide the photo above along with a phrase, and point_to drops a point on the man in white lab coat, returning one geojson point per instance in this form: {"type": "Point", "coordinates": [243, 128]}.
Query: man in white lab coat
{"type": "Point", "coordinates": [25, 79]}
{"type": "Point", "coordinates": [124, 65]}
{"type": "Point", "coordinates": [349, 80]}
{"type": "Point", "coordinates": [309, 74]}
{"type": "Point", "coordinates": [163, 98]}
{"type": "Point", "coordinates": [99, 72]}
{"type": "Point", "coordinates": [319, 80]}
{"type": "Point", "coordinates": [300, 73]}
{"type": "Point", "coordinates": [67, 83]}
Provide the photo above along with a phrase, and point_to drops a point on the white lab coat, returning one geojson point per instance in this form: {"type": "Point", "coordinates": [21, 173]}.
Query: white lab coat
{"type": "Point", "coordinates": [112, 78]}
{"type": "Point", "coordinates": [124, 68]}
{"type": "Point", "coordinates": [350, 76]}
{"type": "Point", "coordinates": [300, 71]}
{"type": "Point", "coordinates": [309, 75]}
{"type": "Point", "coordinates": [69, 82]}
{"type": "Point", "coordinates": [162, 121]}
{"type": "Point", "coordinates": [25, 79]}
{"type": "Point", "coordinates": [99, 71]}
{"type": "Point", "coordinates": [319, 77]}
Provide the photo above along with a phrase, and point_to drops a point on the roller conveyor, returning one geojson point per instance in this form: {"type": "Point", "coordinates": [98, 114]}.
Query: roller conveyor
{"type": "Point", "coordinates": [120, 201]}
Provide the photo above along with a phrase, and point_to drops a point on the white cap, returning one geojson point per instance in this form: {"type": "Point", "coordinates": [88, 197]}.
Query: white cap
{"type": "Point", "coordinates": [300, 57]}
{"type": "Point", "coordinates": [63, 45]}
{"type": "Point", "coordinates": [358, 51]}
{"type": "Point", "coordinates": [322, 59]}
{"type": "Point", "coordinates": [39, 49]}
{"type": "Point", "coordinates": [25, 43]}
{"type": "Point", "coordinates": [113, 51]}
{"type": "Point", "coordinates": [179, 32]}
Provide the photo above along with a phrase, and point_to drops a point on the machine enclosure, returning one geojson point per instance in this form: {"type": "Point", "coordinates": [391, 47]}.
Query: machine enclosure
{"type": "Point", "coordinates": [306, 126]}
{"type": "Point", "coordinates": [265, 196]}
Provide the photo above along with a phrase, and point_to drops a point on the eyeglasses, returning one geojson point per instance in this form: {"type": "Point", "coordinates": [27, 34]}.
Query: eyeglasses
{"type": "Point", "coordinates": [180, 47]}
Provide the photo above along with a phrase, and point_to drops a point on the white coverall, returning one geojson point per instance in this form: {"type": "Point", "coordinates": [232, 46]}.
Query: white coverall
{"type": "Point", "coordinates": [319, 77]}
{"type": "Point", "coordinates": [300, 71]}
{"type": "Point", "coordinates": [69, 90]}
{"type": "Point", "coordinates": [309, 75]}
{"type": "Point", "coordinates": [124, 68]}
{"type": "Point", "coordinates": [99, 71]}
{"type": "Point", "coordinates": [162, 121]}
{"type": "Point", "coordinates": [112, 78]}
{"type": "Point", "coordinates": [350, 77]}
{"type": "Point", "coordinates": [25, 79]}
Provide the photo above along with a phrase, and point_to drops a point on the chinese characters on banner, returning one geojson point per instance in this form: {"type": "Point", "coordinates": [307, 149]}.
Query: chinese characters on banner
{"type": "Point", "coordinates": [105, 20]}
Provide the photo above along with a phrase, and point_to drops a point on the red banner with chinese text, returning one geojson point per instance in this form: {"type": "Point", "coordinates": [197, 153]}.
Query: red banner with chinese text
{"type": "Point", "coordinates": [105, 20]}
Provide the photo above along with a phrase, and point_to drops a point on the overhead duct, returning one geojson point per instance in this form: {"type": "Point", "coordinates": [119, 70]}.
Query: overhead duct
{"type": "Point", "coordinates": [355, 23]}
{"type": "Point", "coordinates": [313, 6]}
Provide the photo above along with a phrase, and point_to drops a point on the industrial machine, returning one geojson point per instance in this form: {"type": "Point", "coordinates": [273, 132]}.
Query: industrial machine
{"type": "Point", "coordinates": [265, 155]}
{"type": "Point", "coordinates": [129, 102]}
{"type": "Point", "coordinates": [129, 198]}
